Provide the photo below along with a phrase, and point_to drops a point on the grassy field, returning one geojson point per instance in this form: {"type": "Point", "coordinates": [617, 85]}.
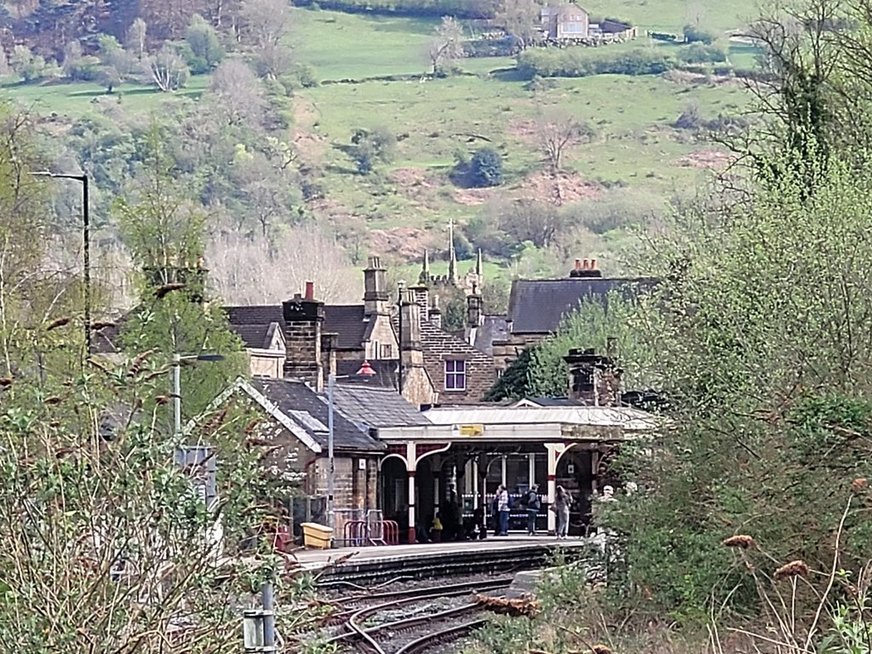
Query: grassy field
{"type": "Point", "coordinates": [635, 146]}
{"type": "Point", "coordinates": [671, 15]}
{"type": "Point", "coordinates": [77, 98]}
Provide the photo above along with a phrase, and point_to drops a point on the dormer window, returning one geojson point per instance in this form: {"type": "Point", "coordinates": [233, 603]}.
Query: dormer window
{"type": "Point", "coordinates": [455, 375]}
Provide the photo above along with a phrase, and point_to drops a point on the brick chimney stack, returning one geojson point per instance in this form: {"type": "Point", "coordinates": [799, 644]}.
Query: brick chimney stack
{"type": "Point", "coordinates": [593, 378]}
{"type": "Point", "coordinates": [435, 313]}
{"type": "Point", "coordinates": [474, 308]}
{"type": "Point", "coordinates": [375, 294]}
{"type": "Point", "coordinates": [303, 320]}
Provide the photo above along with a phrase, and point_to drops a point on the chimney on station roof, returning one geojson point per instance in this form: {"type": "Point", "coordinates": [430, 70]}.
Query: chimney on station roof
{"type": "Point", "coordinates": [593, 378]}
{"type": "Point", "coordinates": [303, 318]}
{"type": "Point", "coordinates": [375, 288]}
{"type": "Point", "coordinates": [585, 268]}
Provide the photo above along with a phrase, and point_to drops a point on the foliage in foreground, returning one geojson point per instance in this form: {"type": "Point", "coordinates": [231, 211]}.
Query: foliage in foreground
{"type": "Point", "coordinates": [106, 542]}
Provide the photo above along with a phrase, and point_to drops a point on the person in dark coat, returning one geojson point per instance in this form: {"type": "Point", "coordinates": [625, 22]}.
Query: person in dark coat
{"type": "Point", "coordinates": [533, 504]}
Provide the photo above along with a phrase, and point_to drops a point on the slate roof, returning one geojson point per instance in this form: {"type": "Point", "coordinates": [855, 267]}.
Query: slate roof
{"type": "Point", "coordinates": [385, 377]}
{"type": "Point", "coordinates": [256, 336]}
{"type": "Point", "coordinates": [294, 399]}
{"type": "Point", "coordinates": [538, 306]}
{"type": "Point", "coordinates": [257, 314]}
{"type": "Point", "coordinates": [375, 407]}
{"type": "Point", "coordinates": [493, 328]}
{"type": "Point", "coordinates": [348, 322]}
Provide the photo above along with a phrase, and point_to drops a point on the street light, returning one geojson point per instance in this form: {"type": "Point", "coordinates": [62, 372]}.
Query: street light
{"type": "Point", "coordinates": [364, 372]}
{"type": "Point", "coordinates": [177, 384]}
{"type": "Point", "coordinates": [401, 287]}
{"type": "Point", "coordinates": [86, 244]}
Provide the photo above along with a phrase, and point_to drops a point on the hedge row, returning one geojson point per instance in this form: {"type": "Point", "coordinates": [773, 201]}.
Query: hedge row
{"type": "Point", "coordinates": [425, 8]}
{"type": "Point", "coordinates": [583, 62]}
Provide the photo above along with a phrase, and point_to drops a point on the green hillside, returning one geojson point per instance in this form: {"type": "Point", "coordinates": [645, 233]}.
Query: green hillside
{"type": "Point", "coordinates": [369, 72]}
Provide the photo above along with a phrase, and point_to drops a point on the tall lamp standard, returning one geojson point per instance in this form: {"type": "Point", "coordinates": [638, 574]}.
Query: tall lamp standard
{"type": "Point", "coordinates": [177, 384]}
{"type": "Point", "coordinates": [401, 287]}
{"type": "Point", "coordinates": [364, 372]}
{"type": "Point", "coordinates": [86, 244]}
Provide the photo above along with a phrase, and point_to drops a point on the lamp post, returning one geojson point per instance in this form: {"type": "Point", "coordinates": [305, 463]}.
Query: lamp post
{"type": "Point", "coordinates": [364, 372]}
{"type": "Point", "coordinates": [86, 244]}
{"type": "Point", "coordinates": [177, 384]}
{"type": "Point", "coordinates": [401, 287]}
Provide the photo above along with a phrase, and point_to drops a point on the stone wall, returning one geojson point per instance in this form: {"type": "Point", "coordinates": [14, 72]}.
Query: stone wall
{"type": "Point", "coordinates": [266, 364]}
{"type": "Point", "coordinates": [355, 483]}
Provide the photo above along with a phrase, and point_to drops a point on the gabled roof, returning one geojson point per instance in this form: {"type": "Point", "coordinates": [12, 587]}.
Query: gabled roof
{"type": "Point", "coordinates": [374, 407]}
{"type": "Point", "coordinates": [257, 336]}
{"type": "Point", "coordinates": [345, 320]}
{"type": "Point", "coordinates": [256, 314]}
{"type": "Point", "coordinates": [436, 342]}
{"type": "Point", "coordinates": [348, 321]}
{"type": "Point", "coordinates": [536, 306]}
{"type": "Point", "coordinates": [570, 10]}
{"type": "Point", "coordinates": [308, 410]}
{"type": "Point", "coordinates": [493, 328]}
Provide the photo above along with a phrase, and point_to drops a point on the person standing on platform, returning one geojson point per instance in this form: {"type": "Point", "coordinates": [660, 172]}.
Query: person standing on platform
{"type": "Point", "coordinates": [531, 500]}
{"type": "Point", "coordinates": [562, 502]}
{"type": "Point", "coordinates": [503, 508]}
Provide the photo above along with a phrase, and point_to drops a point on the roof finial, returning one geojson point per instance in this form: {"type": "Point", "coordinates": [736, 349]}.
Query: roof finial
{"type": "Point", "coordinates": [424, 276]}
{"type": "Point", "coordinates": [479, 266]}
{"type": "Point", "coordinates": [452, 255]}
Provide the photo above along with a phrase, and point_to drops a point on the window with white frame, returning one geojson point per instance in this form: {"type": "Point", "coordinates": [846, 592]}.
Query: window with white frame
{"type": "Point", "coordinates": [455, 375]}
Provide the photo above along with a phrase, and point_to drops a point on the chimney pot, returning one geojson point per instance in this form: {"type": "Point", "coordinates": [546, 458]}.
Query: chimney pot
{"type": "Point", "coordinates": [585, 265]}
{"type": "Point", "coordinates": [310, 290]}
{"type": "Point", "coordinates": [578, 264]}
{"type": "Point", "coordinates": [593, 264]}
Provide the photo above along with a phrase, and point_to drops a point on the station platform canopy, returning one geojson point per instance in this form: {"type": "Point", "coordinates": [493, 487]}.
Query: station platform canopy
{"type": "Point", "coordinates": [525, 423]}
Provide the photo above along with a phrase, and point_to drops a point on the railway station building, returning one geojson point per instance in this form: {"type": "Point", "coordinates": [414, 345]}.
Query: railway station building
{"type": "Point", "coordinates": [468, 452]}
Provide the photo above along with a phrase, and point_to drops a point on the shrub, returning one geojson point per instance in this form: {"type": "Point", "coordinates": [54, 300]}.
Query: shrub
{"type": "Point", "coordinates": [582, 62]}
{"type": "Point", "coordinates": [370, 146]}
{"type": "Point", "coordinates": [694, 34]}
{"type": "Point", "coordinates": [486, 168]}
{"type": "Point", "coordinates": [700, 53]}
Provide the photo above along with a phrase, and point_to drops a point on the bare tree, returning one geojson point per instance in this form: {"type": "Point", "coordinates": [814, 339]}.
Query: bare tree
{"type": "Point", "coordinates": [137, 38]}
{"type": "Point", "coordinates": [557, 133]}
{"type": "Point", "coordinates": [447, 46]}
{"type": "Point", "coordinates": [222, 11]}
{"type": "Point", "coordinates": [167, 69]}
{"type": "Point", "coordinates": [239, 92]}
{"type": "Point", "coordinates": [266, 22]}
{"type": "Point", "coordinates": [816, 54]}
{"type": "Point", "coordinates": [520, 19]}
{"type": "Point", "coordinates": [259, 270]}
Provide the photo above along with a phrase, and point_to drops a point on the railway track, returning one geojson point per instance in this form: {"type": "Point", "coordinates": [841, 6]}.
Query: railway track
{"type": "Point", "coordinates": [356, 572]}
{"type": "Point", "coordinates": [441, 637]}
{"type": "Point", "coordinates": [392, 636]}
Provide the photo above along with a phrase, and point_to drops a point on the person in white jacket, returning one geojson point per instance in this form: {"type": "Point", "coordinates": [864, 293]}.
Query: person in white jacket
{"type": "Point", "coordinates": [503, 508]}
